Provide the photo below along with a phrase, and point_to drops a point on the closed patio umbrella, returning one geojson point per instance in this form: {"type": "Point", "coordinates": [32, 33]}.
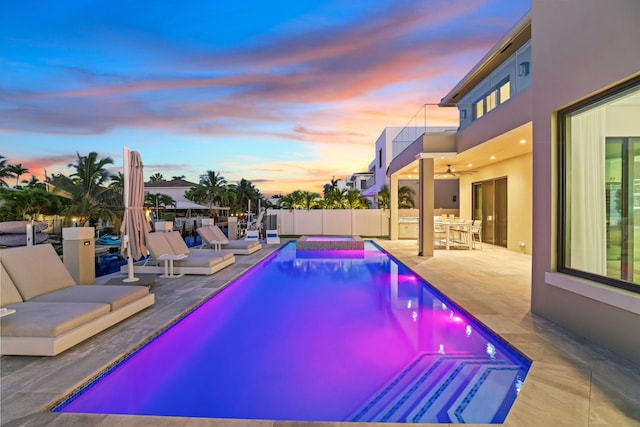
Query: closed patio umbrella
{"type": "Point", "coordinates": [134, 224]}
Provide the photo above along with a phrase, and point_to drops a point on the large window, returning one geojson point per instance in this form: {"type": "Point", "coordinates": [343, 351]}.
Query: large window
{"type": "Point", "coordinates": [599, 226]}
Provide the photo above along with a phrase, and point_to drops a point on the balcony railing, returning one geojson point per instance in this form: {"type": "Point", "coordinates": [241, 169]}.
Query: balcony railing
{"type": "Point", "coordinates": [417, 127]}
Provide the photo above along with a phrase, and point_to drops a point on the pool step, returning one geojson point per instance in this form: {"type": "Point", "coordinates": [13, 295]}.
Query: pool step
{"type": "Point", "coordinates": [436, 388]}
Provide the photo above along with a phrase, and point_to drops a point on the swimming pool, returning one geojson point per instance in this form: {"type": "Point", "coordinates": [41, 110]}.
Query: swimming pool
{"type": "Point", "coordinates": [317, 338]}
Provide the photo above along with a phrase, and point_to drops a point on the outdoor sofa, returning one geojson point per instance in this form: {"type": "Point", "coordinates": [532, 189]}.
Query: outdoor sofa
{"type": "Point", "coordinates": [45, 312]}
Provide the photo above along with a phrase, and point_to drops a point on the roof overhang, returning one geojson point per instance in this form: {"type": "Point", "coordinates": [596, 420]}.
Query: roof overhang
{"type": "Point", "coordinates": [519, 34]}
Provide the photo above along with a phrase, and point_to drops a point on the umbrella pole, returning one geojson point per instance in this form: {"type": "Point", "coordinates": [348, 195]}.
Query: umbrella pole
{"type": "Point", "coordinates": [126, 155]}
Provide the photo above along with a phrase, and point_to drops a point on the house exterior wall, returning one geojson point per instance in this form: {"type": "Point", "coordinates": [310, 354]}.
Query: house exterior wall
{"type": "Point", "coordinates": [512, 114]}
{"type": "Point", "coordinates": [508, 70]}
{"type": "Point", "coordinates": [176, 194]}
{"type": "Point", "coordinates": [518, 171]}
{"type": "Point", "coordinates": [382, 158]}
{"type": "Point", "coordinates": [580, 47]}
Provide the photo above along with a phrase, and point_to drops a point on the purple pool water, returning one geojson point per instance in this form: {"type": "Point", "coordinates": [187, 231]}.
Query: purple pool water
{"type": "Point", "coordinates": [326, 339]}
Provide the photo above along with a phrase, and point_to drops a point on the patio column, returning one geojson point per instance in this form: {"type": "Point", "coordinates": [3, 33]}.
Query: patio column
{"type": "Point", "coordinates": [393, 208]}
{"type": "Point", "coordinates": [425, 210]}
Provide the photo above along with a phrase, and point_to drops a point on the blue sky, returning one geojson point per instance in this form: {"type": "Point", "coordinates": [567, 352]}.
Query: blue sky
{"type": "Point", "coordinates": [285, 94]}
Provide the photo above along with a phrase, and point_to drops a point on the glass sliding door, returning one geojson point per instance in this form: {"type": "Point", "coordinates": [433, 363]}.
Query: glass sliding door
{"type": "Point", "coordinates": [501, 212]}
{"type": "Point", "coordinates": [490, 205]}
{"type": "Point", "coordinates": [622, 172]}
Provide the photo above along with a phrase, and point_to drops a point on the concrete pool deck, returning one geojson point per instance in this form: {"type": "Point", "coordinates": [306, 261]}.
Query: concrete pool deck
{"type": "Point", "coordinates": [572, 382]}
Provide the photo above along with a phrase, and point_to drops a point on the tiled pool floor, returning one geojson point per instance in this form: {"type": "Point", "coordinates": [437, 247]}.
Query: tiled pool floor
{"type": "Point", "coordinates": [572, 382]}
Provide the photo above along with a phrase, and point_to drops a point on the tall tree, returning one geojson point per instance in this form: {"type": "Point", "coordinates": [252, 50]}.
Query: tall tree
{"type": "Point", "coordinates": [17, 171]}
{"type": "Point", "coordinates": [178, 177]}
{"type": "Point", "coordinates": [4, 172]}
{"type": "Point", "coordinates": [156, 177]}
{"type": "Point", "coordinates": [335, 198]}
{"type": "Point", "coordinates": [328, 188]}
{"type": "Point", "coordinates": [355, 200]}
{"type": "Point", "coordinates": [88, 189]}
{"type": "Point", "coordinates": [159, 202]}
{"type": "Point", "coordinates": [287, 202]}
{"type": "Point", "coordinates": [384, 197]}
{"type": "Point", "coordinates": [209, 189]}
{"type": "Point", "coordinates": [245, 192]}
{"type": "Point", "coordinates": [34, 183]}
{"type": "Point", "coordinates": [309, 199]}
{"type": "Point", "coordinates": [405, 197]}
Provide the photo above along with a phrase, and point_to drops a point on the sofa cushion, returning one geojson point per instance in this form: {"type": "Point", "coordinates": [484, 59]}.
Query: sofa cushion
{"type": "Point", "coordinates": [35, 270]}
{"type": "Point", "coordinates": [8, 292]}
{"type": "Point", "coordinates": [116, 296]}
{"type": "Point", "coordinates": [48, 319]}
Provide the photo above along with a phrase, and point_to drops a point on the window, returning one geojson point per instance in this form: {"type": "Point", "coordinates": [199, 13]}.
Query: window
{"type": "Point", "coordinates": [496, 96]}
{"type": "Point", "coordinates": [599, 224]}
{"type": "Point", "coordinates": [380, 158]}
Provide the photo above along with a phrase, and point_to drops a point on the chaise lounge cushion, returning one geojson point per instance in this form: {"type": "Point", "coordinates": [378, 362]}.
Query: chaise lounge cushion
{"type": "Point", "coordinates": [242, 244]}
{"type": "Point", "coordinates": [48, 319]}
{"type": "Point", "coordinates": [116, 296]}
{"type": "Point", "coordinates": [35, 270]}
{"type": "Point", "coordinates": [197, 256]}
{"type": "Point", "coordinates": [8, 292]}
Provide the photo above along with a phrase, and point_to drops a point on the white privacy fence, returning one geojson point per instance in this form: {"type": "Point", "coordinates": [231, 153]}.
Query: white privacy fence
{"type": "Point", "coordinates": [332, 222]}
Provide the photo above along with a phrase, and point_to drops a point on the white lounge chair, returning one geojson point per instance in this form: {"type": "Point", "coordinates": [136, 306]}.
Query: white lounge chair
{"type": "Point", "coordinates": [170, 256]}
{"type": "Point", "coordinates": [215, 239]}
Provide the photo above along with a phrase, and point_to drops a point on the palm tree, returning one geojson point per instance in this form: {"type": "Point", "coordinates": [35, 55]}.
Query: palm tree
{"type": "Point", "coordinates": [208, 190]}
{"type": "Point", "coordinates": [355, 200]}
{"type": "Point", "coordinates": [309, 199]}
{"type": "Point", "coordinates": [34, 183]}
{"type": "Point", "coordinates": [16, 171]}
{"type": "Point", "coordinates": [227, 196]}
{"type": "Point", "coordinates": [159, 201]}
{"type": "Point", "coordinates": [330, 187]}
{"type": "Point", "coordinates": [88, 190]}
{"type": "Point", "coordinates": [290, 201]}
{"type": "Point", "coordinates": [4, 172]}
{"type": "Point", "coordinates": [117, 184]}
{"type": "Point", "coordinates": [246, 192]}
{"type": "Point", "coordinates": [384, 198]}
{"type": "Point", "coordinates": [405, 197]}
{"type": "Point", "coordinates": [156, 177]}
{"type": "Point", "coordinates": [178, 177]}
{"type": "Point", "coordinates": [334, 199]}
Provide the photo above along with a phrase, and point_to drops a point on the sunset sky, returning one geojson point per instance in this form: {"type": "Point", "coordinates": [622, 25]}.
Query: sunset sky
{"type": "Point", "coordinates": [286, 94]}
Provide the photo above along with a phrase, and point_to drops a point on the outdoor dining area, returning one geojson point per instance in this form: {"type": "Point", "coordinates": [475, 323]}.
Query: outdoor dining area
{"type": "Point", "coordinates": [450, 232]}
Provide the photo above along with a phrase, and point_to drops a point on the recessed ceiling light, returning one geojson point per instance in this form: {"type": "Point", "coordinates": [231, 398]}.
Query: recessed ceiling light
{"type": "Point", "coordinates": [442, 157]}
{"type": "Point", "coordinates": [493, 157]}
{"type": "Point", "coordinates": [523, 141]}
{"type": "Point", "coordinates": [470, 164]}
